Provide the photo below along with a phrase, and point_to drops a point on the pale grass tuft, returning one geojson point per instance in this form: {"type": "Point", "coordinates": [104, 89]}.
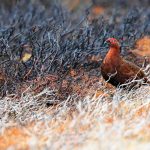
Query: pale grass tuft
{"type": "Point", "coordinates": [90, 123]}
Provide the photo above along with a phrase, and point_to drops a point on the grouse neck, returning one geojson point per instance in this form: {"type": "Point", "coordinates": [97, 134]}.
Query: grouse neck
{"type": "Point", "coordinates": [113, 52]}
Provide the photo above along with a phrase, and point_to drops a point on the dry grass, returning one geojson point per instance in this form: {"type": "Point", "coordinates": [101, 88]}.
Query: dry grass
{"type": "Point", "coordinates": [67, 50]}
{"type": "Point", "coordinates": [119, 120]}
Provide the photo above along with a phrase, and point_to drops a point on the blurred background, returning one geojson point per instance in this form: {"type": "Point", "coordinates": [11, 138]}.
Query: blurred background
{"type": "Point", "coordinates": [41, 37]}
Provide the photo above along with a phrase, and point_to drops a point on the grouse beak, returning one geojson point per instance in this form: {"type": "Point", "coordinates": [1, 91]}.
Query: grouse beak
{"type": "Point", "coordinates": [107, 43]}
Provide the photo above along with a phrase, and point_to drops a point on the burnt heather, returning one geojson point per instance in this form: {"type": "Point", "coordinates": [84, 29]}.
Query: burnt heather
{"type": "Point", "coordinates": [62, 40]}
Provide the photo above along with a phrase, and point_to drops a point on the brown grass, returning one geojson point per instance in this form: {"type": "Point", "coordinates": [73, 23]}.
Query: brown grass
{"type": "Point", "coordinates": [105, 119]}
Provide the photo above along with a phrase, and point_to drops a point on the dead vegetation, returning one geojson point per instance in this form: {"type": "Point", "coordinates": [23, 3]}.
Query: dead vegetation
{"type": "Point", "coordinates": [105, 120]}
{"type": "Point", "coordinates": [52, 92]}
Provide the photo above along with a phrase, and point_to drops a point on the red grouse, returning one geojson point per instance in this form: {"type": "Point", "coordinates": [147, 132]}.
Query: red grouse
{"type": "Point", "coordinates": [118, 71]}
